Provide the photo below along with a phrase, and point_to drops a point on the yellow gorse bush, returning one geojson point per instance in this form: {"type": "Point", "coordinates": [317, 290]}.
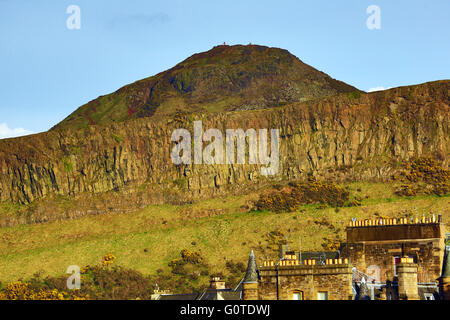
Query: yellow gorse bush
{"type": "Point", "coordinates": [290, 198]}
{"type": "Point", "coordinates": [21, 291]}
{"type": "Point", "coordinates": [424, 175]}
{"type": "Point", "coordinates": [191, 257]}
{"type": "Point", "coordinates": [108, 259]}
{"type": "Point", "coordinates": [426, 169]}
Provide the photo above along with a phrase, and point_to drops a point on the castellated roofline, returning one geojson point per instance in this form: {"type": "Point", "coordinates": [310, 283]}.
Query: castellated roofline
{"type": "Point", "coordinates": [394, 221]}
{"type": "Point", "coordinates": [405, 232]}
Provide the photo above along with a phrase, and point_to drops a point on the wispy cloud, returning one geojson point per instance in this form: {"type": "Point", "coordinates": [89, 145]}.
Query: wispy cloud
{"type": "Point", "coordinates": [139, 19]}
{"type": "Point", "coordinates": [7, 132]}
{"type": "Point", "coordinates": [377, 89]}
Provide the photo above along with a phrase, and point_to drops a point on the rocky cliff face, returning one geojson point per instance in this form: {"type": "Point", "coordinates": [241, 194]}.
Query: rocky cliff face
{"type": "Point", "coordinates": [127, 165]}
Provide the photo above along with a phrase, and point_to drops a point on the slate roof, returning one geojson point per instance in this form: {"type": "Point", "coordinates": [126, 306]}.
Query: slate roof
{"type": "Point", "coordinates": [220, 294]}
{"type": "Point", "coordinates": [425, 290]}
{"type": "Point", "coordinates": [183, 296]}
{"type": "Point", "coordinates": [252, 274]}
{"type": "Point", "coordinates": [446, 265]}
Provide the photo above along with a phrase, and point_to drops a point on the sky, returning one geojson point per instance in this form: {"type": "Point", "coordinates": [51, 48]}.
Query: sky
{"type": "Point", "coordinates": [48, 68]}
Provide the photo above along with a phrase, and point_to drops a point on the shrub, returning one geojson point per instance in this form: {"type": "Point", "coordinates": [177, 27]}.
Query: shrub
{"type": "Point", "coordinates": [277, 202]}
{"type": "Point", "coordinates": [235, 268]}
{"type": "Point", "coordinates": [427, 176]}
{"type": "Point", "coordinates": [441, 188]}
{"type": "Point", "coordinates": [355, 202]}
{"type": "Point", "coordinates": [97, 282]}
{"type": "Point", "coordinates": [354, 95]}
{"type": "Point", "coordinates": [426, 169]}
{"type": "Point", "coordinates": [119, 283]}
{"type": "Point", "coordinates": [23, 291]}
{"type": "Point", "coordinates": [406, 190]}
{"type": "Point", "coordinates": [189, 267]}
{"type": "Point", "coordinates": [108, 259]}
{"type": "Point", "coordinates": [191, 257]}
{"type": "Point", "coordinates": [331, 244]}
{"type": "Point", "coordinates": [303, 193]}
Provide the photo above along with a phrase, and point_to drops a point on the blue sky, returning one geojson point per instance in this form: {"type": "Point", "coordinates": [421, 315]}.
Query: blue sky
{"type": "Point", "coordinates": [47, 70]}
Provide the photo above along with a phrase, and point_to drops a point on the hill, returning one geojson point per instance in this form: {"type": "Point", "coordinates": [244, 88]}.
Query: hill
{"type": "Point", "coordinates": [102, 181]}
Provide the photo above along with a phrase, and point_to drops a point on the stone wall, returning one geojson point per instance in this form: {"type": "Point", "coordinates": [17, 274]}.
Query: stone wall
{"type": "Point", "coordinates": [408, 231]}
{"type": "Point", "coordinates": [250, 291]}
{"type": "Point", "coordinates": [335, 280]}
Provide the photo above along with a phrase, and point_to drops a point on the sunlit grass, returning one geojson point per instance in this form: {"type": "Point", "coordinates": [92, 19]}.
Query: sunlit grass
{"type": "Point", "coordinates": [221, 229]}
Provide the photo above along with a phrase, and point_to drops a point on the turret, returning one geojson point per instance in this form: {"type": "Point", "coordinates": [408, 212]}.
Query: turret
{"type": "Point", "coordinates": [250, 282]}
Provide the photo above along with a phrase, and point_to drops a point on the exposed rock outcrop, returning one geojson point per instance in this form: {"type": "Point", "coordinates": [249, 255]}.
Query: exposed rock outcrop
{"type": "Point", "coordinates": [349, 136]}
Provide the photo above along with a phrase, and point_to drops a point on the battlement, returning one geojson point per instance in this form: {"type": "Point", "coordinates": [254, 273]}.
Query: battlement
{"type": "Point", "coordinates": [395, 229]}
{"type": "Point", "coordinates": [292, 260]}
{"type": "Point", "coordinates": [394, 221]}
{"type": "Point", "coordinates": [336, 261]}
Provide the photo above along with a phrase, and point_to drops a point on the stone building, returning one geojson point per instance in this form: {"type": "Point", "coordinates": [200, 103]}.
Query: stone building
{"type": "Point", "coordinates": [291, 280]}
{"type": "Point", "coordinates": [375, 247]}
{"type": "Point", "coordinates": [386, 259]}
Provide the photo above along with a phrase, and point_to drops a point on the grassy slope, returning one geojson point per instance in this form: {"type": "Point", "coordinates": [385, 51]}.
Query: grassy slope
{"type": "Point", "coordinates": [221, 229]}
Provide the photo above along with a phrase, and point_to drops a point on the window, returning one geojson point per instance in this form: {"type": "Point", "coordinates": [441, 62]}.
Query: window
{"type": "Point", "coordinates": [297, 295]}
{"type": "Point", "coordinates": [428, 296]}
{"type": "Point", "coordinates": [396, 262]}
{"type": "Point", "coordinates": [322, 295]}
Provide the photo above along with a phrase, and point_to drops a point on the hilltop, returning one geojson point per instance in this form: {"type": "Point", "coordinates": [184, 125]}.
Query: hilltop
{"type": "Point", "coordinates": [225, 78]}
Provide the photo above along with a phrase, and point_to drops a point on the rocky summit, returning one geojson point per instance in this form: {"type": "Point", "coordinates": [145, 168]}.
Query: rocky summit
{"type": "Point", "coordinates": [225, 78]}
{"type": "Point", "coordinates": [113, 154]}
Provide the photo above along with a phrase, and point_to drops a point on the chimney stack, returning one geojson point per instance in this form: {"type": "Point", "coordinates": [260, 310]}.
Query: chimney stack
{"type": "Point", "coordinates": [407, 279]}
{"type": "Point", "coordinates": [216, 283]}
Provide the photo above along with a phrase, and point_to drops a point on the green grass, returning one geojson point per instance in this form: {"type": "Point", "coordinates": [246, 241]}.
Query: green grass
{"type": "Point", "coordinates": [221, 229]}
